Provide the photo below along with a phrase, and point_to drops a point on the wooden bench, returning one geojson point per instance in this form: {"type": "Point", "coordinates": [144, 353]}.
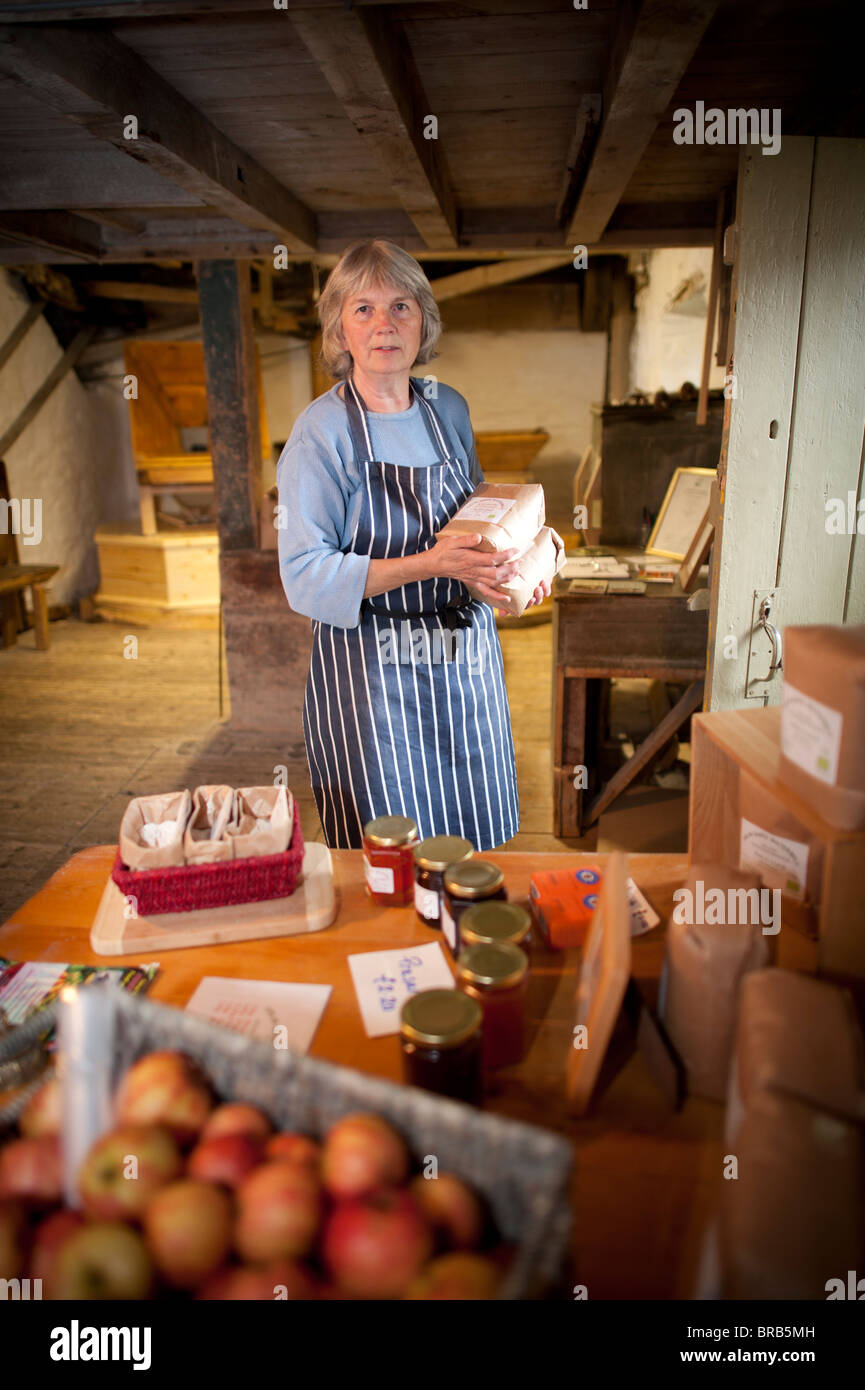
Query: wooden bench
{"type": "Point", "coordinates": [14, 579]}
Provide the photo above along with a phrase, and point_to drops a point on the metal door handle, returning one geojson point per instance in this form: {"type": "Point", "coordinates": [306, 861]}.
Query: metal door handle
{"type": "Point", "coordinates": [775, 662]}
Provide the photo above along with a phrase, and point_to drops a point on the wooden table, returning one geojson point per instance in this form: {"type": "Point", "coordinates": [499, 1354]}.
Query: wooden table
{"type": "Point", "coordinates": [645, 1178]}
{"type": "Point", "coordinates": [600, 637]}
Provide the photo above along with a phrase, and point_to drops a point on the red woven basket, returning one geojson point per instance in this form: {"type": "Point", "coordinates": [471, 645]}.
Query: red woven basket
{"type": "Point", "coordinates": [191, 887]}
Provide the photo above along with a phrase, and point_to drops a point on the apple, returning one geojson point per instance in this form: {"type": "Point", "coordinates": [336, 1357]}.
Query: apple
{"type": "Point", "coordinates": [188, 1229]}
{"type": "Point", "coordinates": [226, 1159]}
{"type": "Point", "coordinates": [279, 1209]}
{"type": "Point", "coordinates": [125, 1168]}
{"type": "Point", "coordinates": [41, 1115]}
{"type": "Point", "coordinates": [280, 1279]}
{"type": "Point", "coordinates": [459, 1275]}
{"type": "Point", "coordinates": [374, 1246]}
{"type": "Point", "coordinates": [453, 1210]}
{"type": "Point", "coordinates": [236, 1117]}
{"type": "Point", "coordinates": [51, 1235]}
{"type": "Point", "coordinates": [11, 1240]}
{"type": "Point", "coordinates": [105, 1260]}
{"type": "Point", "coordinates": [361, 1154]}
{"type": "Point", "coordinates": [31, 1170]}
{"type": "Point", "coordinates": [165, 1088]}
{"type": "Point", "coordinates": [295, 1148]}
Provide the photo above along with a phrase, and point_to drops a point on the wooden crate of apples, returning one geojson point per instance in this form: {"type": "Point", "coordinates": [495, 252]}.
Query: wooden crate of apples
{"type": "Point", "coordinates": [189, 1195]}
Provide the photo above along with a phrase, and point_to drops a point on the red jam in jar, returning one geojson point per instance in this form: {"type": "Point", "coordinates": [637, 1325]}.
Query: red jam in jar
{"type": "Point", "coordinates": [388, 860]}
{"type": "Point", "coordinates": [440, 1036]}
{"type": "Point", "coordinates": [497, 977]}
{"type": "Point", "coordinates": [464, 884]}
{"type": "Point", "coordinates": [491, 923]}
{"type": "Point", "coordinates": [431, 857]}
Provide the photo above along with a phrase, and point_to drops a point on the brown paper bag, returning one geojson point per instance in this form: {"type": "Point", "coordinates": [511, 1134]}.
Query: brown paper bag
{"type": "Point", "coordinates": [704, 966]}
{"type": "Point", "coordinates": [205, 841]}
{"type": "Point", "coordinates": [152, 828]}
{"type": "Point", "coordinates": [263, 822]}
{"type": "Point", "coordinates": [823, 721]}
{"type": "Point", "coordinates": [543, 560]}
{"type": "Point", "coordinates": [502, 514]}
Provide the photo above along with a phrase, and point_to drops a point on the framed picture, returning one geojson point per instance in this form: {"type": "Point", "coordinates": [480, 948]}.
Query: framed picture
{"type": "Point", "coordinates": [604, 972]}
{"type": "Point", "coordinates": [682, 512]}
{"type": "Point", "coordinates": [697, 553]}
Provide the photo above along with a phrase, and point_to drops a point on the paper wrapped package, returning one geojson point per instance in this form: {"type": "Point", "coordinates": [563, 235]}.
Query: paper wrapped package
{"type": "Point", "coordinates": [799, 1036]}
{"type": "Point", "coordinates": [792, 1224]}
{"type": "Point", "coordinates": [775, 844]}
{"type": "Point", "coordinates": [205, 841]}
{"type": "Point", "coordinates": [504, 515]}
{"type": "Point", "coordinates": [262, 823]}
{"type": "Point", "coordinates": [823, 721]}
{"type": "Point", "coordinates": [543, 560]}
{"type": "Point", "coordinates": [704, 967]}
{"type": "Point", "coordinates": [152, 829]}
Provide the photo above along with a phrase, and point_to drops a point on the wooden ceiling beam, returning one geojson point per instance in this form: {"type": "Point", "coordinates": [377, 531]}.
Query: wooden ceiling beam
{"type": "Point", "coordinates": [654, 44]}
{"type": "Point", "coordinates": [366, 60]}
{"type": "Point", "coordinates": [55, 231]}
{"type": "Point", "coordinates": [487, 277]}
{"type": "Point", "coordinates": [68, 11]}
{"type": "Point", "coordinates": [98, 82]}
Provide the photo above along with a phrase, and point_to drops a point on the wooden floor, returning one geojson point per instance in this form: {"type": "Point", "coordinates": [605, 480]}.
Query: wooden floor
{"type": "Point", "coordinates": [84, 727]}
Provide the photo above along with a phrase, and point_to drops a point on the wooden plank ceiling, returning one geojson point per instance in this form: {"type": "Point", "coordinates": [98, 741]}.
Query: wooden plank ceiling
{"type": "Point", "coordinates": [303, 124]}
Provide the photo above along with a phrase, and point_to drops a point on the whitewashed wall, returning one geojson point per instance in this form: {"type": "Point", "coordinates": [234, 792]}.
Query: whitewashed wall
{"type": "Point", "coordinates": [74, 455]}
{"type": "Point", "coordinates": [667, 345]}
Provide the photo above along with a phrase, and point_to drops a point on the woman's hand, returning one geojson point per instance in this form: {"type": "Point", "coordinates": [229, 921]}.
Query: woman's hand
{"type": "Point", "coordinates": [457, 557]}
{"type": "Point", "coordinates": [541, 592]}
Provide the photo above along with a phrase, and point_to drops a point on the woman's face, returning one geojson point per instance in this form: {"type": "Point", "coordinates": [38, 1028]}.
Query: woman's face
{"type": "Point", "coordinates": [382, 329]}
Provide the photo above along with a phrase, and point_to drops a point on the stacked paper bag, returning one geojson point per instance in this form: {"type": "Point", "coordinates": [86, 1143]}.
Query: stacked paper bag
{"type": "Point", "coordinates": [214, 824]}
{"type": "Point", "coordinates": [508, 515]}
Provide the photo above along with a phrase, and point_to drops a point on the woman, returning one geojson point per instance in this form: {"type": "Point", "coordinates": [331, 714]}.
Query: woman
{"type": "Point", "coordinates": [397, 720]}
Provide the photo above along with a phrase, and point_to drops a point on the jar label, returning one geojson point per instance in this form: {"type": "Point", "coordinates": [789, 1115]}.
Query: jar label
{"type": "Point", "coordinates": [426, 902]}
{"type": "Point", "coordinates": [449, 926]}
{"type": "Point", "coordinates": [379, 880]}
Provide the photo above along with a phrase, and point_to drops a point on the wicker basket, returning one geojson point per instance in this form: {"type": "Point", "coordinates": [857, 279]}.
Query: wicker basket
{"type": "Point", "coordinates": [190, 887]}
{"type": "Point", "coordinates": [523, 1172]}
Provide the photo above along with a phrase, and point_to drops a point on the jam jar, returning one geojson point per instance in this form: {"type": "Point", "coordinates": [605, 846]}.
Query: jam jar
{"type": "Point", "coordinates": [431, 858]}
{"type": "Point", "coordinates": [473, 881]}
{"type": "Point", "coordinates": [497, 977]}
{"type": "Point", "coordinates": [388, 860]}
{"type": "Point", "coordinates": [440, 1035]}
{"type": "Point", "coordinates": [495, 922]}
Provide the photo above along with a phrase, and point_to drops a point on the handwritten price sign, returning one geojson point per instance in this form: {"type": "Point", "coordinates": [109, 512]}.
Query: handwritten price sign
{"type": "Point", "coordinates": [383, 980]}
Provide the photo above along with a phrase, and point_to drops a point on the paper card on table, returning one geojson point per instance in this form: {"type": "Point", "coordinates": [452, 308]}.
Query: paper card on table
{"type": "Point", "coordinates": [643, 915]}
{"type": "Point", "coordinates": [383, 980]}
{"type": "Point", "coordinates": [259, 1007]}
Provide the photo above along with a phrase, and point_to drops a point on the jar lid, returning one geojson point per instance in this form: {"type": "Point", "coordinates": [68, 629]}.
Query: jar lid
{"type": "Point", "coordinates": [440, 850]}
{"type": "Point", "coordinates": [474, 878]}
{"type": "Point", "coordinates": [495, 965]}
{"type": "Point", "coordinates": [390, 830]}
{"type": "Point", "coordinates": [440, 1017]}
{"type": "Point", "coordinates": [495, 922]}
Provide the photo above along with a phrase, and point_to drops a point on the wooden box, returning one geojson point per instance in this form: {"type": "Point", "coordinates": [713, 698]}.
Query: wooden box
{"type": "Point", "coordinates": [724, 742]}
{"type": "Point", "coordinates": [172, 396]}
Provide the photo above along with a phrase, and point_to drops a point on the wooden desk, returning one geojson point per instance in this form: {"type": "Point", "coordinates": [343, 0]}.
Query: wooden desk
{"type": "Point", "coordinates": [596, 638]}
{"type": "Point", "coordinates": [645, 1178]}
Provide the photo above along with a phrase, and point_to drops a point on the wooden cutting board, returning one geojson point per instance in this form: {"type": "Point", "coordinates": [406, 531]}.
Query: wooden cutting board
{"type": "Point", "coordinates": [311, 907]}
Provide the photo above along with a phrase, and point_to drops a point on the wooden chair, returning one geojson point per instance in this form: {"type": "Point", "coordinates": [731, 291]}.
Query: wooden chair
{"type": "Point", "coordinates": [14, 579]}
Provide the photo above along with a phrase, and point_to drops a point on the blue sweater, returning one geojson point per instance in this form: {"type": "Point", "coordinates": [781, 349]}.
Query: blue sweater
{"type": "Point", "coordinates": [320, 498]}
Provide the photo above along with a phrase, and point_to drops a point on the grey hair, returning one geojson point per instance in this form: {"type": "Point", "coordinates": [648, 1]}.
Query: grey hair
{"type": "Point", "coordinates": [364, 264]}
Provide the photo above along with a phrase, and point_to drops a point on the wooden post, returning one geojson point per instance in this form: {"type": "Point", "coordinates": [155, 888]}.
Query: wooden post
{"type": "Point", "coordinates": [232, 399]}
{"type": "Point", "coordinates": [714, 292]}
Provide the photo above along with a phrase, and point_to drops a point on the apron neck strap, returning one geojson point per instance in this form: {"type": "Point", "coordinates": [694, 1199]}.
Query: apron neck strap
{"type": "Point", "coordinates": [359, 424]}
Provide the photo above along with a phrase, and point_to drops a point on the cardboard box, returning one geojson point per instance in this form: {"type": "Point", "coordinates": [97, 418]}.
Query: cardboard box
{"type": "Point", "coordinates": [543, 560]}
{"type": "Point", "coordinates": [563, 902]}
{"type": "Point", "coordinates": [502, 514]}
{"type": "Point", "coordinates": [823, 721]}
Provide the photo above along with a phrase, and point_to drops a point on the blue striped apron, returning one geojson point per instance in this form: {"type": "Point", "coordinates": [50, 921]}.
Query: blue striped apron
{"type": "Point", "coordinates": [392, 726]}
